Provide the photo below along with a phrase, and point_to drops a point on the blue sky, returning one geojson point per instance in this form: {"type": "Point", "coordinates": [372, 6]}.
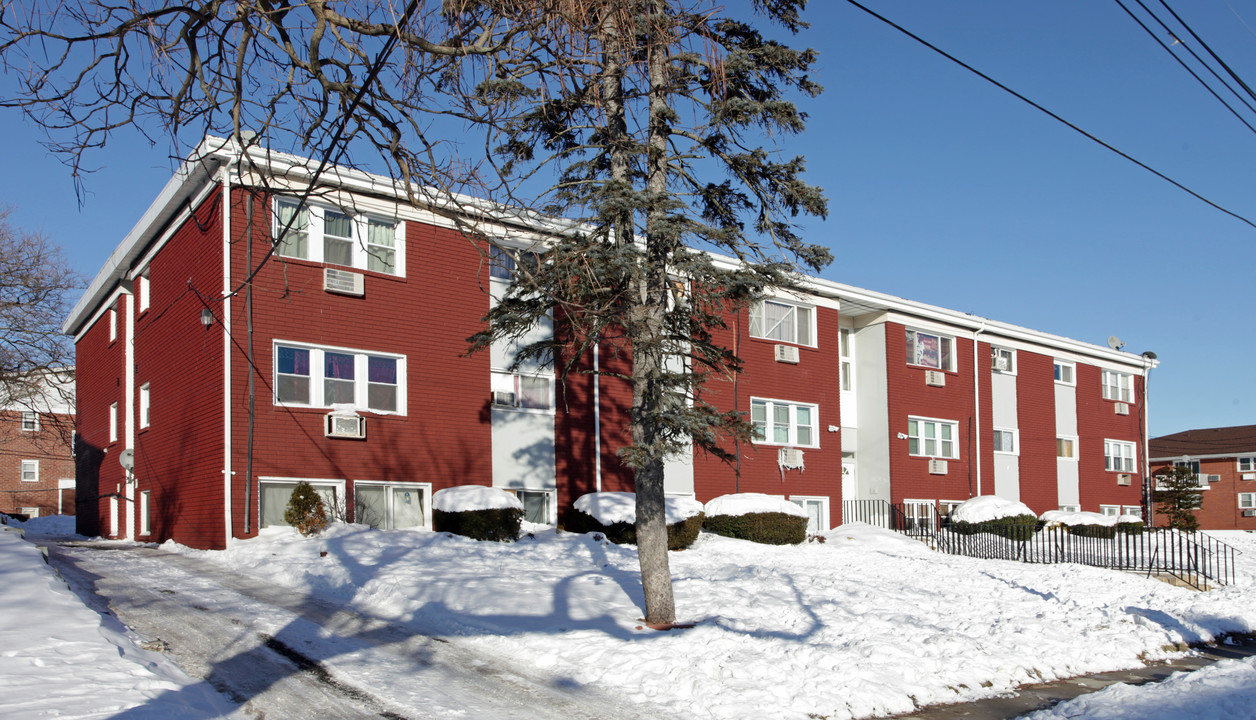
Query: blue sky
{"type": "Point", "coordinates": [946, 190]}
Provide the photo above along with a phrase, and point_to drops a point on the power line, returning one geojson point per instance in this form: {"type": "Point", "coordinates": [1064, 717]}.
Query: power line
{"type": "Point", "coordinates": [1052, 115]}
{"type": "Point", "coordinates": [1203, 44]}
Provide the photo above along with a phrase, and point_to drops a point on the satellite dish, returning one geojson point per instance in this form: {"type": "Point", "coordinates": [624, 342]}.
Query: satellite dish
{"type": "Point", "coordinates": [1115, 343]}
{"type": "Point", "coordinates": [127, 459]}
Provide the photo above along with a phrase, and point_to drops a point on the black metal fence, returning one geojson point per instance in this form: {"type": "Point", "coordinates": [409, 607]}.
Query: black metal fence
{"type": "Point", "coordinates": [1196, 559]}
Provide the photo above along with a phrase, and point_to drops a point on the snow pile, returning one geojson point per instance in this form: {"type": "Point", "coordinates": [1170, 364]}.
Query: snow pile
{"type": "Point", "coordinates": [466, 498]}
{"type": "Point", "coordinates": [46, 526]}
{"type": "Point", "coordinates": [986, 508]}
{"type": "Point", "coordinates": [609, 508]}
{"type": "Point", "coordinates": [746, 503]}
{"type": "Point", "coordinates": [1061, 517]}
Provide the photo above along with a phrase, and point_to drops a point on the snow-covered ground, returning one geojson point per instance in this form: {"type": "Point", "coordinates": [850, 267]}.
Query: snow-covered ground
{"type": "Point", "coordinates": [866, 623]}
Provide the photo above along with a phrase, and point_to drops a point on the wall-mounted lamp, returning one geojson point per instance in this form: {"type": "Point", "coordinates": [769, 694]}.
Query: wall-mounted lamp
{"type": "Point", "coordinates": [207, 317]}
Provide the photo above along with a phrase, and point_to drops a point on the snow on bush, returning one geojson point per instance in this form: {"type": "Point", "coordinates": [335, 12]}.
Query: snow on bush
{"type": "Point", "coordinates": [746, 503]}
{"type": "Point", "coordinates": [1061, 517]}
{"type": "Point", "coordinates": [986, 508]}
{"type": "Point", "coordinates": [609, 508]}
{"type": "Point", "coordinates": [466, 498]}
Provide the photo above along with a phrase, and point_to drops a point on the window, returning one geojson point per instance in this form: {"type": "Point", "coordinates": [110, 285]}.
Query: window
{"type": "Point", "coordinates": [946, 507]}
{"type": "Point", "coordinates": [1110, 510]}
{"type": "Point", "coordinates": [1135, 510]}
{"type": "Point", "coordinates": [30, 471]}
{"type": "Point", "coordinates": [536, 504]}
{"type": "Point", "coordinates": [777, 422]}
{"type": "Point", "coordinates": [322, 377]}
{"type": "Point", "coordinates": [113, 324]}
{"type": "Point", "coordinates": [782, 321]}
{"type": "Point", "coordinates": [1064, 373]}
{"type": "Point", "coordinates": [1066, 447]}
{"type": "Point", "coordinates": [523, 391]}
{"type": "Point", "coordinates": [919, 516]}
{"type": "Point", "coordinates": [817, 509]}
{"type": "Point", "coordinates": [144, 405]}
{"type": "Point", "coordinates": [928, 350]}
{"type": "Point", "coordinates": [1003, 360]}
{"type": "Point", "coordinates": [1005, 441]}
{"type": "Point", "coordinates": [273, 496]}
{"type": "Point", "coordinates": [113, 422]}
{"type": "Point", "coordinates": [30, 421]}
{"type": "Point", "coordinates": [142, 291]}
{"type": "Point", "coordinates": [503, 262]}
{"type": "Point", "coordinates": [844, 352]}
{"type": "Point", "coordinates": [1247, 464]}
{"type": "Point", "coordinates": [932, 438]}
{"type": "Point", "coordinates": [390, 506]}
{"type": "Point", "coordinates": [1247, 501]}
{"type": "Point", "coordinates": [334, 237]}
{"type": "Point", "coordinates": [1070, 508]}
{"type": "Point", "coordinates": [1118, 456]}
{"type": "Point", "coordinates": [1117, 386]}
{"type": "Point", "coordinates": [145, 526]}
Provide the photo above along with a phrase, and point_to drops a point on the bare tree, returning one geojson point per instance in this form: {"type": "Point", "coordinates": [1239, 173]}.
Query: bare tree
{"type": "Point", "coordinates": [638, 121]}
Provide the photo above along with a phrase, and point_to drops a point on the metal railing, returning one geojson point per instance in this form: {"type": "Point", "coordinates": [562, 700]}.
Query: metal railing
{"type": "Point", "coordinates": [1196, 559]}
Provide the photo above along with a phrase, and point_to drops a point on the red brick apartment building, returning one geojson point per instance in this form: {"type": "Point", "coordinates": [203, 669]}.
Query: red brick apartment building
{"type": "Point", "coordinates": [1224, 461]}
{"type": "Point", "coordinates": [204, 398]}
{"type": "Point", "coordinates": [36, 457]}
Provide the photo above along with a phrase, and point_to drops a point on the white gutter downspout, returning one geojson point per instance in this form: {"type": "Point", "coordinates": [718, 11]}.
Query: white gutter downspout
{"type": "Point", "coordinates": [597, 419]}
{"type": "Point", "coordinates": [227, 473]}
{"type": "Point", "coordinates": [128, 416]}
{"type": "Point", "coordinates": [977, 397]}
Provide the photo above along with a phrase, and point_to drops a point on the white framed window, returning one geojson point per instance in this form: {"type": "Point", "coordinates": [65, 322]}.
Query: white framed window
{"type": "Point", "coordinates": [523, 391]}
{"type": "Point", "coordinates": [780, 422]}
{"type": "Point", "coordinates": [1247, 501]}
{"type": "Point", "coordinates": [783, 321]}
{"type": "Point", "coordinates": [113, 324]}
{"type": "Point", "coordinates": [1070, 508]}
{"type": "Point", "coordinates": [113, 515]}
{"type": "Point", "coordinates": [1117, 386]}
{"type": "Point", "coordinates": [30, 421]}
{"type": "Point", "coordinates": [845, 354]}
{"type": "Point", "coordinates": [1065, 373]}
{"type": "Point", "coordinates": [1007, 441]}
{"type": "Point", "coordinates": [536, 506]}
{"type": "Point", "coordinates": [1247, 464]}
{"type": "Point", "coordinates": [1135, 510]}
{"type": "Point", "coordinates": [1118, 456]}
{"type": "Point", "coordinates": [335, 237]}
{"type": "Point", "coordinates": [817, 513]}
{"type": "Point", "coordinates": [930, 350]}
{"type": "Point", "coordinates": [505, 262]}
{"type": "Point", "coordinates": [113, 422]}
{"type": "Point", "coordinates": [1066, 447]}
{"type": "Point", "coordinates": [145, 509]}
{"type": "Point", "coordinates": [946, 507]}
{"type": "Point", "coordinates": [274, 494]}
{"type": "Point", "coordinates": [391, 505]}
{"type": "Point", "coordinates": [1003, 360]}
{"type": "Point", "coordinates": [144, 404]}
{"type": "Point", "coordinates": [30, 471]}
{"type": "Point", "coordinates": [929, 437]}
{"type": "Point", "coordinates": [1110, 510]}
{"type": "Point", "coordinates": [142, 291]}
{"type": "Point", "coordinates": [919, 515]}
{"type": "Point", "coordinates": [314, 376]}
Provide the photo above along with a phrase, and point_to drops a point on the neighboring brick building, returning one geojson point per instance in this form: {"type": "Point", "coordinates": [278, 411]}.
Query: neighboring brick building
{"type": "Point", "coordinates": [195, 428]}
{"type": "Point", "coordinates": [36, 460]}
{"type": "Point", "coordinates": [1224, 461]}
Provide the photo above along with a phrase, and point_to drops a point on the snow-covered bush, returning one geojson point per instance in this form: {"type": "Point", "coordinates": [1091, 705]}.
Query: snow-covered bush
{"type": "Point", "coordinates": [1093, 524]}
{"type": "Point", "coordinates": [756, 517]}
{"type": "Point", "coordinates": [614, 514]}
{"type": "Point", "coordinates": [477, 512]}
{"type": "Point", "coordinates": [305, 510]}
{"type": "Point", "coordinates": [995, 515]}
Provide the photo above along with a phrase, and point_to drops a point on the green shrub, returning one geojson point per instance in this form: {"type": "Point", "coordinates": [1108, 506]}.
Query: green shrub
{"type": "Point", "coordinates": [680, 535]}
{"type": "Point", "coordinates": [1093, 531]}
{"type": "Point", "coordinates": [305, 510]}
{"type": "Point", "coordinates": [769, 528]}
{"type": "Point", "coordinates": [1015, 527]}
{"type": "Point", "coordinates": [499, 524]}
{"type": "Point", "coordinates": [1130, 528]}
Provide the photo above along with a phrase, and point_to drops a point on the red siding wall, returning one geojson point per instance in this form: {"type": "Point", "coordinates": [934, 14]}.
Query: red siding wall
{"type": "Point", "coordinates": [1096, 421]}
{"type": "Point", "coordinates": [1219, 509]}
{"type": "Point", "coordinates": [1035, 414]}
{"type": "Point", "coordinates": [99, 374]}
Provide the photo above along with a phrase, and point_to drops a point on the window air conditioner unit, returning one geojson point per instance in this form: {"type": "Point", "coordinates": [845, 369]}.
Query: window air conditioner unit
{"type": "Point", "coordinates": [1001, 363]}
{"type": "Point", "coordinates": [1124, 479]}
{"type": "Point", "coordinates": [787, 354]}
{"type": "Point", "coordinates": [503, 398]}
{"type": "Point", "coordinates": [1249, 513]}
{"type": "Point", "coordinates": [343, 282]}
{"type": "Point", "coordinates": [1249, 476]}
{"type": "Point", "coordinates": [1209, 479]}
{"type": "Point", "coordinates": [937, 467]}
{"type": "Point", "coordinates": [935, 378]}
{"type": "Point", "coordinates": [346, 426]}
{"type": "Point", "coordinates": [790, 457]}
{"type": "Point", "coordinates": [1122, 408]}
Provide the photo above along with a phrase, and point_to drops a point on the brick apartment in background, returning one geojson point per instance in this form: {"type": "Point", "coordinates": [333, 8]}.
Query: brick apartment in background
{"type": "Point", "coordinates": [36, 459]}
{"type": "Point", "coordinates": [1224, 461]}
{"type": "Point", "coordinates": [203, 399]}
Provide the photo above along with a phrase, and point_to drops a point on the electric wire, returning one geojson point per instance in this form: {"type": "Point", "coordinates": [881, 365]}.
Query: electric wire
{"type": "Point", "coordinates": [1206, 47]}
{"type": "Point", "coordinates": [1052, 115]}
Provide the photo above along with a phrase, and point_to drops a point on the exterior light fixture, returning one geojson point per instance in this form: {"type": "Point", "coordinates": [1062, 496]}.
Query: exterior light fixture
{"type": "Point", "coordinates": [207, 317]}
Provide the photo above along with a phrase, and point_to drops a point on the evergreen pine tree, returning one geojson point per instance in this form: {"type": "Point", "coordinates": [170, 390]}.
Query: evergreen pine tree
{"type": "Point", "coordinates": [1177, 496]}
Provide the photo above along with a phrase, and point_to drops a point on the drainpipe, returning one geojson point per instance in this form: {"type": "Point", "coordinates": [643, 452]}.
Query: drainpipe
{"type": "Point", "coordinates": [597, 417]}
{"type": "Point", "coordinates": [227, 472]}
{"type": "Point", "coordinates": [1149, 359]}
{"type": "Point", "coordinates": [128, 414]}
{"type": "Point", "coordinates": [977, 399]}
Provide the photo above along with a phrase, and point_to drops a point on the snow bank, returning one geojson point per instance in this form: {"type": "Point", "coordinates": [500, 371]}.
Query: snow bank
{"type": "Point", "coordinates": [1061, 517]}
{"type": "Point", "coordinates": [48, 525]}
{"type": "Point", "coordinates": [609, 508]}
{"type": "Point", "coordinates": [746, 503]}
{"type": "Point", "coordinates": [985, 508]}
{"type": "Point", "coordinates": [465, 498]}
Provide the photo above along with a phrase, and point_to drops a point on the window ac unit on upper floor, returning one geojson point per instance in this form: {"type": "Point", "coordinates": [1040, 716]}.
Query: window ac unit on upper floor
{"type": "Point", "coordinates": [790, 458]}
{"type": "Point", "coordinates": [1203, 479]}
{"type": "Point", "coordinates": [937, 467]}
{"type": "Point", "coordinates": [343, 282]}
{"type": "Point", "coordinates": [1124, 479]}
{"type": "Point", "coordinates": [1249, 513]}
{"type": "Point", "coordinates": [787, 354]}
{"type": "Point", "coordinates": [1002, 363]}
{"type": "Point", "coordinates": [346, 426]}
{"type": "Point", "coordinates": [935, 378]}
{"type": "Point", "coordinates": [1249, 476]}
{"type": "Point", "coordinates": [1122, 408]}
{"type": "Point", "coordinates": [503, 398]}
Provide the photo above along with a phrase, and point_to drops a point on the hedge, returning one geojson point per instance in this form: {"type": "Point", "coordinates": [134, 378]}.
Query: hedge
{"type": "Point", "coordinates": [680, 535]}
{"type": "Point", "coordinates": [1093, 531]}
{"type": "Point", "coordinates": [499, 524]}
{"type": "Point", "coordinates": [769, 528]}
{"type": "Point", "coordinates": [1015, 527]}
